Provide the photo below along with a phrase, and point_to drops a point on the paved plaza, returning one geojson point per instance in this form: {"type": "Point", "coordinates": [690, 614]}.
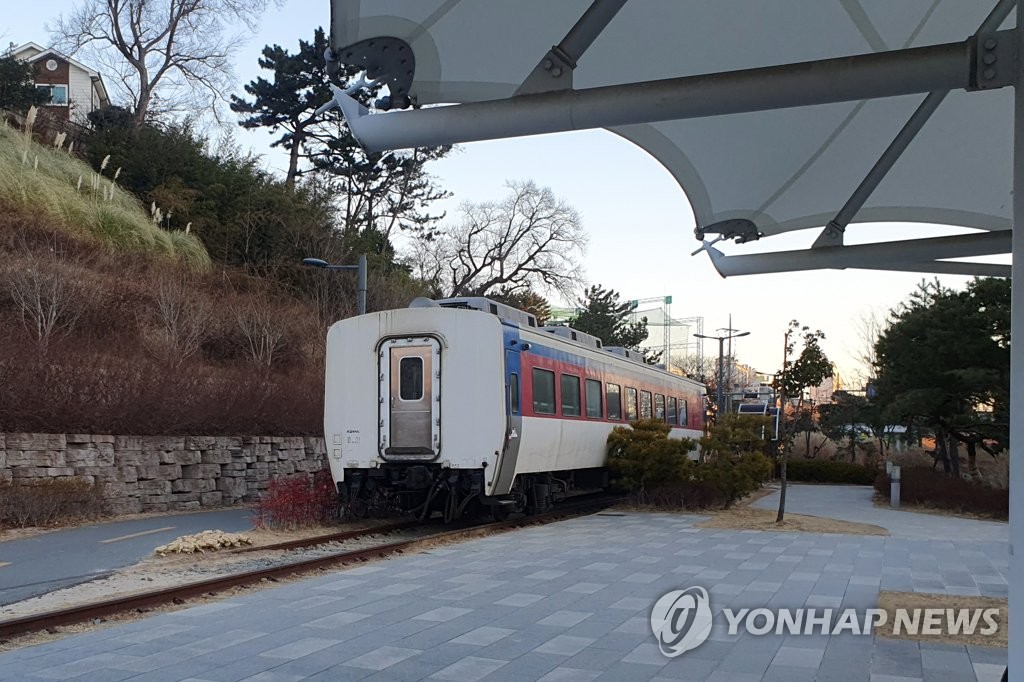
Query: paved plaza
{"type": "Point", "coordinates": [564, 601]}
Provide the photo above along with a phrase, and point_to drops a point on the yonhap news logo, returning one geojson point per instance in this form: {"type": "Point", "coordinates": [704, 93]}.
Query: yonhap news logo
{"type": "Point", "coordinates": [681, 620]}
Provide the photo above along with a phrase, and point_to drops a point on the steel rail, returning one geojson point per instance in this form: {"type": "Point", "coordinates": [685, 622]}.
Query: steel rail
{"type": "Point", "coordinates": [107, 607]}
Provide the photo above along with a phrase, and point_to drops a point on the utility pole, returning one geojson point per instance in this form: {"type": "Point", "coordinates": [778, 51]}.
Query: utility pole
{"type": "Point", "coordinates": [782, 426]}
{"type": "Point", "coordinates": [729, 368]}
{"type": "Point", "coordinates": [720, 402]}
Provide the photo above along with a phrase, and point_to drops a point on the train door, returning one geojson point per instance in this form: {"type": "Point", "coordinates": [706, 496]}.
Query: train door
{"type": "Point", "coordinates": [513, 423]}
{"type": "Point", "coordinates": [410, 398]}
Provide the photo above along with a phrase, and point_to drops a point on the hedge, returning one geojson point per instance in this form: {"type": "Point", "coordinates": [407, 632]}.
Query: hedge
{"type": "Point", "coordinates": [829, 471]}
{"type": "Point", "coordinates": [923, 486]}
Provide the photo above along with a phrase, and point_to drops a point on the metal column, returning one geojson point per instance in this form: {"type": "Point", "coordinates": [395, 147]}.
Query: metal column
{"type": "Point", "coordinates": [1015, 654]}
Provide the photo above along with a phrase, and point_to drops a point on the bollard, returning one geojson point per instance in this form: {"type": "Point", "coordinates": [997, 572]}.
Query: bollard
{"type": "Point", "coordinates": [894, 487]}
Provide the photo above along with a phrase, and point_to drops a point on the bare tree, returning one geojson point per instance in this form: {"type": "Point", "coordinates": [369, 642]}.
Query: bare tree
{"type": "Point", "coordinates": [868, 326]}
{"type": "Point", "coordinates": [529, 240]}
{"type": "Point", "coordinates": [181, 320]}
{"type": "Point", "coordinates": [175, 51]}
{"type": "Point", "coordinates": [45, 295]}
{"type": "Point", "coordinates": [263, 333]}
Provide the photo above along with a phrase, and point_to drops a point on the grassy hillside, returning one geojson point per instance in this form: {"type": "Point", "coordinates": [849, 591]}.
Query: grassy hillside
{"type": "Point", "coordinates": [88, 205]}
{"type": "Point", "coordinates": [111, 324]}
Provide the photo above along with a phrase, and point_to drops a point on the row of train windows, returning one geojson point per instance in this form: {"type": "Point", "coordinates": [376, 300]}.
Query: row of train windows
{"type": "Point", "coordinates": [636, 404]}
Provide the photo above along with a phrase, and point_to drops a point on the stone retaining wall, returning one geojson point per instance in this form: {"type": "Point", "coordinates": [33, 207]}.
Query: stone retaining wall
{"type": "Point", "coordinates": [161, 473]}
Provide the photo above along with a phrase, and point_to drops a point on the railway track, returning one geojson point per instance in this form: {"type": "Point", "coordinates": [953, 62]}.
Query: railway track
{"type": "Point", "coordinates": [577, 506]}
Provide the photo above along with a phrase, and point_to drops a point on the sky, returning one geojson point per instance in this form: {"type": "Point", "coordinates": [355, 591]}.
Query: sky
{"type": "Point", "coordinates": [639, 221]}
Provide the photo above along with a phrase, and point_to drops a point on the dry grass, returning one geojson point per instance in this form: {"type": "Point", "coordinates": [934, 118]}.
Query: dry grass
{"type": "Point", "coordinates": [745, 518]}
{"type": "Point", "coordinates": [890, 601]}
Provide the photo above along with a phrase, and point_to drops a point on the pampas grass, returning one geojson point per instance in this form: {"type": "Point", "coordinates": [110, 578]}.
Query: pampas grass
{"type": "Point", "coordinates": [47, 180]}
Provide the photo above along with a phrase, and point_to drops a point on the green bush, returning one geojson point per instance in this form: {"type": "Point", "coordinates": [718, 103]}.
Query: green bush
{"type": "Point", "coordinates": [47, 501]}
{"type": "Point", "coordinates": [829, 471]}
{"type": "Point", "coordinates": [655, 469]}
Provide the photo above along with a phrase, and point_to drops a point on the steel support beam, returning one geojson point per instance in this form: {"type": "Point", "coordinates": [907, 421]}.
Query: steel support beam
{"type": "Point", "coordinates": [949, 66]}
{"type": "Point", "coordinates": [882, 256]}
{"type": "Point", "coordinates": [554, 72]}
{"type": "Point", "coordinates": [832, 235]}
{"type": "Point", "coordinates": [1015, 633]}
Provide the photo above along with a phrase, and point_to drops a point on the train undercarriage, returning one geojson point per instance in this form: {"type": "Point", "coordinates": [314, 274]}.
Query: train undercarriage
{"type": "Point", "coordinates": [423, 491]}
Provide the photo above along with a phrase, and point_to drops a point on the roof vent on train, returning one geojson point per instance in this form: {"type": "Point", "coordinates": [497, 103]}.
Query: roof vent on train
{"type": "Point", "coordinates": [505, 312]}
{"type": "Point", "coordinates": [574, 335]}
{"type": "Point", "coordinates": [628, 353]}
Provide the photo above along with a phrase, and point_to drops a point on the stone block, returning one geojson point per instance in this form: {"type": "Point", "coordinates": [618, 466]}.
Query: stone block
{"type": "Point", "coordinates": [228, 442]}
{"type": "Point", "coordinates": [201, 471]}
{"type": "Point", "coordinates": [162, 443]}
{"type": "Point", "coordinates": [211, 499]}
{"type": "Point", "coordinates": [153, 504]}
{"type": "Point", "coordinates": [78, 438]}
{"type": "Point", "coordinates": [6, 476]}
{"type": "Point", "coordinates": [232, 487]}
{"type": "Point", "coordinates": [169, 472]}
{"type": "Point", "coordinates": [152, 488]}
{"type": "Point", "coordinates": [77, 457]}
{"type": "Point", "coordinates": [235, 468]}
{"type": "Point", "coordinates": [3, 458]}
{"type": "Point", "coordinates": [60, 472]}
{"type": "Point", "coordinates": [124, 443]}
{"type": "Point", "coordinates": [103, 439]}
{"type": "Point", "coordinates": [101, 473]}
{"type": "Point", "coordinates": [27, 472]}
{"type": "Point", "coordinates": [285, 468]}
{"type": "Point", "coordinates": [36, 441]}
{"type": "Point", "coordinates": [114, 490]}
{"type": "Point", "coordinates": [292, 443]}
{"type": "Point", "coordinates": [147, 473]}
{"type": "Point", "coordinates": [200, 442]}
{"type": "Point", "coordinates": [180, 457]}
{"type": "Point", "coordinates": [36, 458]}
{"type": "Point", "coordinates": [182, 485]}
{"type": "Point", "coordinates": [185, 497]}
{"type": "Point", "coordinates": [136, 458]}
{"type": "Point", "coordinates": [106, 451]}
{"type": "Point", "coordinates": [3, 440]}
{"type": "Point", "coordinates": [216, 456]}
{"type": "Point", "coordinates": [193, 485]}
{"type": "Point", "coordinates": [127, 474]}
{"type": "Point", "coordinates": [128, 505]}
{"type": "Point", "coordinates": [191, 505]}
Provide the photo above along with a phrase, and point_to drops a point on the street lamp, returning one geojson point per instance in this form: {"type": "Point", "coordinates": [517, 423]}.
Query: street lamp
{"type": "Point", "coordinates": [721, 342]}
{"type": "Point", "coordinates": [361, 278]}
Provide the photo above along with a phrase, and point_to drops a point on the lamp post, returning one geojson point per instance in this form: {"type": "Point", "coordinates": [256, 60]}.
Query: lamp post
{"type": "Point", "coordinates": [360, 281]}
{"type": "Point", "coordinates": [720, 402]}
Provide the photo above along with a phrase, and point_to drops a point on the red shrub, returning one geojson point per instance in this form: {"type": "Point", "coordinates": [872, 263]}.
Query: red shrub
{"type": "Point", "coordinates": [297, 502]}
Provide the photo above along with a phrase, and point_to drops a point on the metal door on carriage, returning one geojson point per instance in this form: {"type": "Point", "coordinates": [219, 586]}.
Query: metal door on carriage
{"type": "Point", "coordinates": [410, 398]}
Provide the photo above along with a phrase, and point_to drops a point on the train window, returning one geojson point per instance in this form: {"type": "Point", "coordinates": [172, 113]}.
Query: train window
{"type": "Point", "coordinates": [630, 404]}
{"type": "Point", "coordinates": [570, 395]}
{"type": "Point", "coordinates": [671, 410]}
{"type": "Point", "coordinates": [645, 404]}
{"type": "Point", "coordinates": [659, 406]}
{"type": "Point", "coordinates": [410, 372]}
{"type": "Point", "coordinates": [513, 392]}
{"type": "Point", "coordinates": [613, 394]}
{"type": "Point", "coordinates": [594, 410]}
{"type": "Point", "coordinates": [683, 421]}
{"type": "Point", "coordinates": [543, 391]}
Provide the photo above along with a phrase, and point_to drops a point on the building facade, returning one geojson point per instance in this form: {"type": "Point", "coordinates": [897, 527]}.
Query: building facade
{"type": "Point", "coordinates": [75, 90]}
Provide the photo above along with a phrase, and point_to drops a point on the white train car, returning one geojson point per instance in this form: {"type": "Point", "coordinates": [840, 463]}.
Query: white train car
{"type": "Point", "coordinates": [466, 403]}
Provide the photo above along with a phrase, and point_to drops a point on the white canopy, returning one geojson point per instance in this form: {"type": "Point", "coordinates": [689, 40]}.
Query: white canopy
{"type": "Point", "coordinates": [782, 169]}
{"type": "Point", "coordinates": [772, 116]}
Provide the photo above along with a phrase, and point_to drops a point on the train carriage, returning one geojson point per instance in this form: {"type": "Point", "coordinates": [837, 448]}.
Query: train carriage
{"type": "Point", "coordinates": [467, 404]}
